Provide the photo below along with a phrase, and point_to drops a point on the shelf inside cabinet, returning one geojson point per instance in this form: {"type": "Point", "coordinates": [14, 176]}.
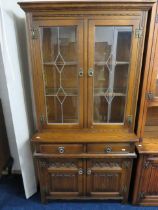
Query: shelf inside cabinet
{"type": "Point", "coordinates": [68, 63]}
{"type": "Point", "coordinates": [65, 92]}
{"type": "Point", "coordinates": [103, 63]}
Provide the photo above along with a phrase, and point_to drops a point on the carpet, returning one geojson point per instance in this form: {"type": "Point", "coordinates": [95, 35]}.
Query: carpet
{"type": "Point", "coordinates": [12, 198]}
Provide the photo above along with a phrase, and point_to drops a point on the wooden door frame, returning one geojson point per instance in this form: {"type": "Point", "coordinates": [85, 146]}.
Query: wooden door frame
{"type": "Point", "coordinates": [148, 75]}
{"type": "Point", "coordinates": [135, 73]}
{"type": "Point", "coordinates": [37, 71]}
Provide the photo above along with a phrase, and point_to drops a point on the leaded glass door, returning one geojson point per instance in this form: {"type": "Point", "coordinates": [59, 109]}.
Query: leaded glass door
{"type": "Point", "coordinates": [61, 49]}
{"type": "Point", "coordinates": [113, 73]}
{"type": "Point", "coordinates": [151, 118]}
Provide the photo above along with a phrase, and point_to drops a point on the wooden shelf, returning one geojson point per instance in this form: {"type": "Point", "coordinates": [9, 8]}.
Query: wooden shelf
{"type": "Point", "coordinates": [110, 94]}
{"type": "Point", "coordinates": [103, 63]}
{"type": "Point", "coordinates": [66, 63]}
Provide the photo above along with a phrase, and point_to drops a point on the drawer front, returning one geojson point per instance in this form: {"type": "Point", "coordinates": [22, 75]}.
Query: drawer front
{"type": "Point", "coordinates": [110, 148]}
{"type": "Point", "coordinates": [60, 148]}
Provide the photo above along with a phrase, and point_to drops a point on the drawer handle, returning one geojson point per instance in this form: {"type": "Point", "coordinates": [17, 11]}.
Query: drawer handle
{"type": "Point", "coordinates": [61, 150]}
{"type": "Point", "coordinates": [80, 171]}
{"type": "Point", "coordinates": [89, 171]}
{"type": "Point", "coordinates": [108, 149]}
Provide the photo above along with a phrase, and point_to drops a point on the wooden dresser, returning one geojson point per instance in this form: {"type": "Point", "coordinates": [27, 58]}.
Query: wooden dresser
{"type": "Point", "coordinates": [146, 182]}
{"type": "Point", "coordinates": [146, 177]}
{"type": "Point", "coordinates": [84, 164]}
{"type": "Point", "coordinates": [86, 60]}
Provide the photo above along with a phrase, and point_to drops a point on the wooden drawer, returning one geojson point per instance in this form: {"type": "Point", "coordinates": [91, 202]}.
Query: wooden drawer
{"type": "Point", "coordinates": [60, 148]}
{"type": "Point", "coordinates": [110, 148]}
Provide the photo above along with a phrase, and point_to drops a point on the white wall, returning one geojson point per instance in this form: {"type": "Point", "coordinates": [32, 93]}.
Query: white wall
{"type": "Point", "coordinates": [15, 90]}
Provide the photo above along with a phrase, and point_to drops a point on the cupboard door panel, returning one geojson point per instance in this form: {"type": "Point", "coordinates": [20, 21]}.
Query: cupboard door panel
{"type": "Point", "coordinates": [108, 178]}
{"type": "Point", "coordinates": [149, 186]}
{"type": "Point", "coordinates": [60, 74]}
{"type": "Point", "coordinates": [113, 72]}
{"type": "Point", "coordinates": [61, 178]}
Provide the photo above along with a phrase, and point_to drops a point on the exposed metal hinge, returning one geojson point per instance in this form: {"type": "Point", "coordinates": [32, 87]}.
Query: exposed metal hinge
{"type": "Point", "coordinates": [146, 164]}
{"type": "Point", "coordinates": [149, 96]}
{"type": "Point", "coordinates": [156, 19]}
{"type": "Point", "coordinates": [35, 33]}
{"type": "Point", "coordinates": [141, 195]}
{"type": "Point", "coordinates": [138, 32]}
{"type": "Point", "coordinates": [129, 120]}
{"type": "Point", "coordinates": [42, 119]}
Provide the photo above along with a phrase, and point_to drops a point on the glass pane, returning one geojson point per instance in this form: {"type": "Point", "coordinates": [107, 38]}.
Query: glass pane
{"type": "Point", "coordinates": [54, 114]}
{"type": "Point", "coordinates": [121, 79]}
{"type": "Point", "coordinates": [151, 124]}
{"type": "Point", "coordinates": [52, 79]}
{"type": "Point", "coordinates": [101, 75]}
{"type": "Point", "coordinates": [60, 70]}
{"type": "Point", "coordinates": [152, 116]}
{"type": "Point", "coordinates": [100, 109]}
{"type": "Point", "coordinates": [117, 109]}
{"type": "Point", "coordinates": [70, 115]}
{"type": "Point", "coordinates": [123, 46]}
{"type": "Point", "coordinates": [111, 70]}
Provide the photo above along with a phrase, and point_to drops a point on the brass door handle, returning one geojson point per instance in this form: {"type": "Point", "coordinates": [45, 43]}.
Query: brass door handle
{"type": "Point", "coordinates": [80, 73]}
{"type": "Point", "coordinates": [61, 150]}
{"type": "Point", "coordinates": [89, 171]}
{"type": "Point", "coordinates": [108, 149]}
{"type": "Point", "coordinates": [80, 171]}
{"type": "Point", "coordinates": [90, 72]}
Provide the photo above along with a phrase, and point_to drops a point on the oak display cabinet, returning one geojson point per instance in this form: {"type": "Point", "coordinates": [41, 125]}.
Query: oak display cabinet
{"type": "Point", "coordinates": [146, 189]}
{"type": "Point", "coordinates": [86, 60]}
{"type": "Point", "coordinates": [145, 186]}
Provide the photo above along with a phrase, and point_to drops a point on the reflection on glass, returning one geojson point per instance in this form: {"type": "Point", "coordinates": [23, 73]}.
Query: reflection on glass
{"type": "Point", "coordinates": [60, 72]}
{"type": "Point", "coordinates": [100, 109]}
{"type": "Point", "coordinates": [111, 70]}
{"type": "Point", "coordinates": [152, 116]}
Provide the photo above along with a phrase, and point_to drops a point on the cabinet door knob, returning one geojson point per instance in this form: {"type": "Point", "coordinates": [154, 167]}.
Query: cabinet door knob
{"type": "Point", "coordinates": [150, 96]}
{"type": "Point", "coordinates": [90, 72]}
{"type": "Point", "coordinates": [108, 149]}
{"type": "Point", "coordinates": [80, 171]}
{"type": "Point", "coordinates": [89, 171]}
{"type": "Point", "coordinates": [61, 150]}
{"type": "Point", "coordinates": [80, 73]}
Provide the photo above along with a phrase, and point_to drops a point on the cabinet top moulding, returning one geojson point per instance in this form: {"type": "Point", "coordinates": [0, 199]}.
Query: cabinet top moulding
{"type": "Point", "coordinates": [148, 146]}
{"type": "Point", "coordinates": [85, 5]}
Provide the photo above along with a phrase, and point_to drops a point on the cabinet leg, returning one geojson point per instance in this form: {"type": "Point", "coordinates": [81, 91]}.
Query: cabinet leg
{"type": "Point", "coordinates": [43, 199]}
{"type": "Point", "coordinates": [125, 200]}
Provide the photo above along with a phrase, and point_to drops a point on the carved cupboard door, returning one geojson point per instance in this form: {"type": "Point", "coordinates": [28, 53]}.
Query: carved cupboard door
{"type": "Point", "coordinates": [148, 191]}
{"type": "Point", "coordinates": [61, 177]}
{"type": "Point", "coordinates": [108, 178]}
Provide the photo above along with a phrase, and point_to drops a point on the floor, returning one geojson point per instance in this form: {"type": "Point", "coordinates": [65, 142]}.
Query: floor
{"type": "Point", "coordinates": [12, 198]}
